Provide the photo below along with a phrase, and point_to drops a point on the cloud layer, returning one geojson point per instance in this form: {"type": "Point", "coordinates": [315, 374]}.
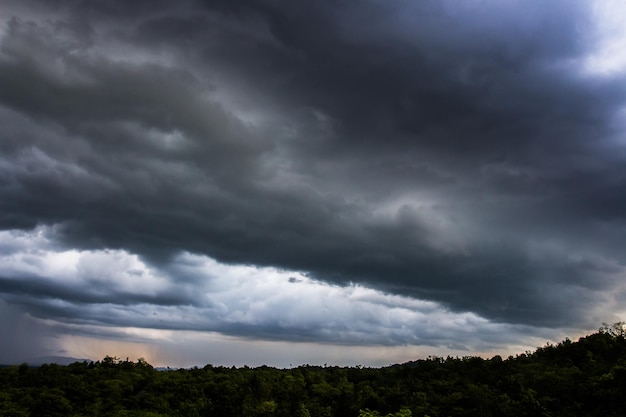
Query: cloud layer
{"type": "Point", "coordinates": [403, 162]}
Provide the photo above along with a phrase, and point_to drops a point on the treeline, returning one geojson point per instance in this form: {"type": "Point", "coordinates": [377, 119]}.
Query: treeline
{"type": "Point", "coordinates": [583, 378]}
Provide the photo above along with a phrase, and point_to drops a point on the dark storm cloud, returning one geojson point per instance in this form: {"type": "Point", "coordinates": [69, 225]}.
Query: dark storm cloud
{"type": "Point", "coordinates": [447, 151]}
{"type": "Point", "coordinates": [92, 293]}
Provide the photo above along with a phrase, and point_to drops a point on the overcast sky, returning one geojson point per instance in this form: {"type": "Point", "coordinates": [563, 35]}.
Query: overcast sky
{"type": "Point", "coordinates": [346, 182]}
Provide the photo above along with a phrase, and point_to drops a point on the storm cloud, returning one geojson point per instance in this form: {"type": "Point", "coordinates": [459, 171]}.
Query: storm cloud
{"type": "Point", "coordinates": [454, 160]}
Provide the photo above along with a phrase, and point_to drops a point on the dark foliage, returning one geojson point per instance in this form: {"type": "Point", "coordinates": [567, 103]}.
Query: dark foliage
{"type": "Point", "coordinates": [584, 378]}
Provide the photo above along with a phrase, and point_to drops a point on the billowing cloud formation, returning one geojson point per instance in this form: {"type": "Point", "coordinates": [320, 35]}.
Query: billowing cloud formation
{"type": "Point", "coordinates": [193, 292]}
{"type": "Point", "coordinates": [460, 160]}
{"type": "Point", "coordinates": [112, 295]}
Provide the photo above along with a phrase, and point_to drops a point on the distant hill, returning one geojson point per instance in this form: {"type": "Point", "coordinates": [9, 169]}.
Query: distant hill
{"type": "Point", "coordinates": [59, 360]}
{"type": "Point", "coordinates": [40, 360]}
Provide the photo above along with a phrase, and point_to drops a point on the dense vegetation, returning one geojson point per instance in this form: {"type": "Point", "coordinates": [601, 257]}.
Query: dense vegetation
{"type": "Point", "coordinates": [584, 378]}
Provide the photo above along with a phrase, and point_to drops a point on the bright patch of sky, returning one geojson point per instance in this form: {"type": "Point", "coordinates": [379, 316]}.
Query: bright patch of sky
{"type": "Point", "coordinates": [609, 35]}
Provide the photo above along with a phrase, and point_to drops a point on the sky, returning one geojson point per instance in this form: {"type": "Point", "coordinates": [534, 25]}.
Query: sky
{"type": "Point", "coordinates": [320, 182]}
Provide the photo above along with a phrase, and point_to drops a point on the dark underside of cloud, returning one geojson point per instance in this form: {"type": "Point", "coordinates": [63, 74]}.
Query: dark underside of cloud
{"type": "Point", "coordinates": [446, 151]}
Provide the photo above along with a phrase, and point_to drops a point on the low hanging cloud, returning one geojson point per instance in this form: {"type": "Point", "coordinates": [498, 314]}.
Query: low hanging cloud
{"type": "Point", "coordinates": [445, 161]}
{"type": "Point", "coordinates": [99, 289]}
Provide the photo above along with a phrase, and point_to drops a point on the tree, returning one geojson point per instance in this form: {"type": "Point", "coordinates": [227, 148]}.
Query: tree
{"type": "Point", "coordinates": [615, 330]}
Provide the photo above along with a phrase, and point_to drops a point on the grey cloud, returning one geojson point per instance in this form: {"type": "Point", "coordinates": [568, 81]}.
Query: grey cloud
{"type": "Point", "coordinates": [423, 149]}
{"type": "Point", "coordinates": [22, 335]}
{"type": "Point", "coordinates": [87, 293]}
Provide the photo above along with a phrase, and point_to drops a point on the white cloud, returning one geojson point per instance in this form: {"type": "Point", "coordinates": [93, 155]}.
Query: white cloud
{"type": "Point", "coordinates": [248, 307]}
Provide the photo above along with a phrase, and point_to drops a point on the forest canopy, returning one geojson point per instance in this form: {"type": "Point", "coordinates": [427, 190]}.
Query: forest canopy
{"type": "Point", "coordinates": [582, 378]}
